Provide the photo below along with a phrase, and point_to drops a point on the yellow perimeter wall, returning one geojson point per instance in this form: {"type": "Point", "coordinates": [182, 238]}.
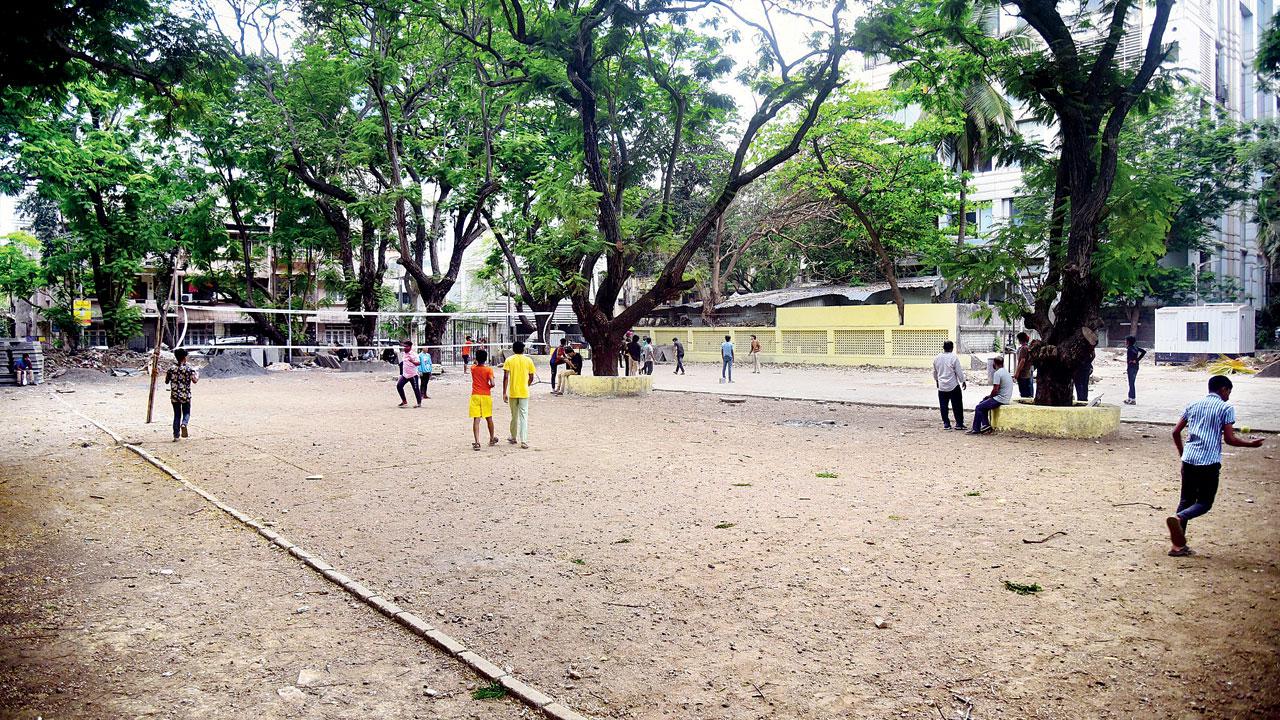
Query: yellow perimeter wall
{"type": "Point", "coordinates": [841, 335]}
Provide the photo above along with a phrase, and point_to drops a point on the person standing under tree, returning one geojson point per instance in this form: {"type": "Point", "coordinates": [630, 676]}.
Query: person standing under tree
{"type": "Point", "coordinates": [517, 376]}
{"type": "Point", "coordinates": [1022, 367]}
{"type": "Point", "coordinates": [646, 356]}
{"type": "Point", "coordinates": [1133, 355]}
{"type": "Point", "coordinates": [726, 359]}
{"type": "Point", "coordinates": [948, 375]}
{"type": "Point", "coordinates": [180, 378]}
{"type": "Point", "coordinates": [408, 374]}
{"type": "Point", "coordinates": [1081, 377]}
{"type": "Point", "coordinates": [755, 355]}
{"type": "Point", "coordinates": [679, 349]}
{"type": "Point", "coordinates": [557, 358]}
{"type": "Point", "coordinates": [633, 355]}
{"type": "Point", "coordinates": [1211, 422]}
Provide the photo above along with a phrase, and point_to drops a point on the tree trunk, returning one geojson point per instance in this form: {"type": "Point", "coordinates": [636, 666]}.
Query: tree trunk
{"type": "Point", "coordinates": [963, 223]}
{"type": "Point", "coordinates": [606, 348]}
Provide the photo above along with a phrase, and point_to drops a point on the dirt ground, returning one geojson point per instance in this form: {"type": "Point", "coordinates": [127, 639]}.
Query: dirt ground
{"type": "Point", "coordinates": [672, 556]}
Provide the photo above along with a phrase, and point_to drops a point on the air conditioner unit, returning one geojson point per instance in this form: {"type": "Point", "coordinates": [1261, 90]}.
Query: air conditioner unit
{"type": "Point", "coordinates": [186, 298]}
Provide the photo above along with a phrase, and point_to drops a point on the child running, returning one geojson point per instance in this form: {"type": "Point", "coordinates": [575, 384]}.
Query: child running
{"type": "Point", "coordinates": [481, 398]}
{"type": "Point", "coordinates": [180, 378]}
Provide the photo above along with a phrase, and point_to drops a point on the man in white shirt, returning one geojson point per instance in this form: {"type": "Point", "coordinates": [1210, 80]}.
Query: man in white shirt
{"type": "Point", "coordinates": [948, 375]}
{"type": "Point", "coordinates": [1001, 394]}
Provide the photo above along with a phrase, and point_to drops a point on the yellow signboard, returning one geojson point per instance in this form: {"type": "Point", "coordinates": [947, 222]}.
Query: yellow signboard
{"type": "Point", "coordinates": [83, 312]}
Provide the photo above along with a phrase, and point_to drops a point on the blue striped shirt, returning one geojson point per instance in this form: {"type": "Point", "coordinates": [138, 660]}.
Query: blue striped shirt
{"type": "Point", "coordinates": [1205, 419]}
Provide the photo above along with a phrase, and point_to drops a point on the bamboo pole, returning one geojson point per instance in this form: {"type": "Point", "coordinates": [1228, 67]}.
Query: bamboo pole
{"type": "Point", "coordinates": [155, 355]}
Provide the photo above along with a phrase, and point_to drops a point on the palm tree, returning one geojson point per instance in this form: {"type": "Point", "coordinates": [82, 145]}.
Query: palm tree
{"type": "Point", "coordinates": [988, 123]}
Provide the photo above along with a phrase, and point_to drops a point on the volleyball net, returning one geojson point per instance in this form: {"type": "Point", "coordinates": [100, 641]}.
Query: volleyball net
{"type": "Point", "coordinates": [320, 330]}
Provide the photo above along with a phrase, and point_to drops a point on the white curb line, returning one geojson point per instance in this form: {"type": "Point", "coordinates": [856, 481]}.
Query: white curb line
{"type": "Point", "coordinates": [522, 691]}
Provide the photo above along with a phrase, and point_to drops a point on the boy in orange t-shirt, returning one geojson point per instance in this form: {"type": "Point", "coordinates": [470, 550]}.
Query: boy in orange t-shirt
{"type": "Point", "coordinates": [481, 398]}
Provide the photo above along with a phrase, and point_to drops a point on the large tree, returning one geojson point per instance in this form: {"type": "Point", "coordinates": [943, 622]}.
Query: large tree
{"type": "Point", "coordinates": [1074, 75]}
{"type": "Point", "coordinates": [607, 62]}
{"type": "Point", "coordinates": [883, 176]}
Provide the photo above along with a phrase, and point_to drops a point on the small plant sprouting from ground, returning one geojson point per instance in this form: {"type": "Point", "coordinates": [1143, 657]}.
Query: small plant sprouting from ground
{"type": "Point", "coordinates": [896, 517]}
{"type": "Point", "coordinates": [742, 484]}
{"type": "Point", "coordinates": [725, 525]}
{"type": "Point", "coordinates": [578, 561]}
{"type": "Point", "coordinates": [827, 475]}
{"type": "Point", "coordinates": [623, 541]}
{"type": "Point", "coordinates": [1022, 588]}
{"type": "Point", "coordinates": [492, 691]}
{"type": "Point", "coordinates": [973, 493]}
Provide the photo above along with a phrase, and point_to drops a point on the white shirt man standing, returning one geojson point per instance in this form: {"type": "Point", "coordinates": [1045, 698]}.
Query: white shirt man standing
{"type": "Point", "coordinates": [948, 375]}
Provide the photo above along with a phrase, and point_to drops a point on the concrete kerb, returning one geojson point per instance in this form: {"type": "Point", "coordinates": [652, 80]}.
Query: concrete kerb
{"type": "Point", "coordinates": [903, 406]}
{"type": "Point", "coordinates": [522, 691]}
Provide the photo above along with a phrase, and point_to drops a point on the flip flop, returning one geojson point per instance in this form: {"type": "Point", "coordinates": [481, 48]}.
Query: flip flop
{"type": "Point", "coordinates": [1183, 551]}
{"type": "Point", "coordinates": [475, 446]}
{"type": "Point", "coordinates": [1176, 534]}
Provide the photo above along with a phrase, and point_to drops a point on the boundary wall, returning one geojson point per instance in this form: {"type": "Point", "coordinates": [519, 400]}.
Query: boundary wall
{"type": "Point", "coordinates": [836, 335]}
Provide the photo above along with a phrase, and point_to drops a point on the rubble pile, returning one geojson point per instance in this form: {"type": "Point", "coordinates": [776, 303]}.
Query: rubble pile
{"type": "Point", "coordinates": [118, 360]}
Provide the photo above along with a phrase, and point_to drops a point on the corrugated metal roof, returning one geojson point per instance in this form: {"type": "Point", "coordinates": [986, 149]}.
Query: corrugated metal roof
{"type": "Point", "coordinates": [497, 311]}
{"type": "Point", "coordinates": [786, 296]}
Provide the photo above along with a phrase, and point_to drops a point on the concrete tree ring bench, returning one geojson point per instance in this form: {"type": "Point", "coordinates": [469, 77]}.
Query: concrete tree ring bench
{"type": "Point", "coordinates": [1077, 421]}
{"type": "Point", "coordinates": [605, 386]}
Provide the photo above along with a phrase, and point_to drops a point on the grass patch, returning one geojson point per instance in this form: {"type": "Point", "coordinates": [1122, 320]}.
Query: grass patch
{"type": "Point", "coordinates": [725, 525]}
{"type": "Point", "coordinates": [623, 541]}
{"type": "Point", "coordinates": [742, 484]}
{"type": "Point", "coordinates": [973, 493]}
{"type": "Point", "coordinates": [492, 691]}
{"type": "Point", "coordinates": [827, 475]}
{"type": "Point", "coordinates": [1022, 588]}
{"type": "Point", "coordinates": [578, 561]}
{"type": "Point", "coordinates": [896, 517]}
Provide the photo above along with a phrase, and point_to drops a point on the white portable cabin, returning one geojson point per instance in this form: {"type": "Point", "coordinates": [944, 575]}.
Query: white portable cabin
{"type": "Point", "coordinates": [1218, 329]}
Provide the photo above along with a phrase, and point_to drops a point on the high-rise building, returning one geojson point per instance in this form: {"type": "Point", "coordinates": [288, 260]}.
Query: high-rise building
{"type": "Point", "coordinates": [1213, 47]}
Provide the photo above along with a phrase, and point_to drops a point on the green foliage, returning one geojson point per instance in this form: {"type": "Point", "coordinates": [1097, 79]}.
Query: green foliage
{"type": "Point", "coordinates": [1022, 588]}
{"type": "Point", "coordinates": [881, 178]}
{"type": "Point", "coordinates": [1181, 167]}
{"type": "Point", "coordinates": [492, 691]}
{"type": "Point", "coordinates": [1267, 58]}
{"type": "Point", "coordinates": [19, 265]}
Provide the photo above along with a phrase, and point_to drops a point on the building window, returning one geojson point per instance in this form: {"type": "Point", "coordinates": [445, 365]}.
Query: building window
{"type": "Point", "coordinates": [1012, 212]}
{"type": "Point", "coordinates": [335, 334]}
{"type": "Point", "coordinates": [199, 334]}
{"type": "Point", "coordinates": [95, 337]}
{"type": "Point", "coordinates": [1197, 332]}
{"type": "Point", "coordinates": [871, 61]}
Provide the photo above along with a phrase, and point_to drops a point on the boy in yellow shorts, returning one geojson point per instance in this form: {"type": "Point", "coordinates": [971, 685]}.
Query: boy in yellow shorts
{"type": "Point", "coordinates": [481, 398]}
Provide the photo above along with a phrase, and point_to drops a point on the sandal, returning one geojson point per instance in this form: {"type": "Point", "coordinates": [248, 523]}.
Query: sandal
{"type": "Point", "coordinates": [475, 446]}
{"type": "Point", "coordinates": [1183, 551]}
{"type": "Point", "coordinates": [493, 441]}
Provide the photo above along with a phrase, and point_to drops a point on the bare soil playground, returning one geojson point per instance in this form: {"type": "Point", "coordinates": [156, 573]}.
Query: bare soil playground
{"type": "Point", "coordinates": [672, 556]}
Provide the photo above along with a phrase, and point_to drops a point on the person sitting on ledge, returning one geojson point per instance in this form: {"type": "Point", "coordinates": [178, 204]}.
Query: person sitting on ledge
{"type": "Point", "coordinates": [1001, 394]}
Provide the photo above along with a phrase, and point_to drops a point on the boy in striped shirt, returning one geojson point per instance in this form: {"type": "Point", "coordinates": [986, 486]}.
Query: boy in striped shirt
{"type": "Point", "coordinates": [1210, 421]}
